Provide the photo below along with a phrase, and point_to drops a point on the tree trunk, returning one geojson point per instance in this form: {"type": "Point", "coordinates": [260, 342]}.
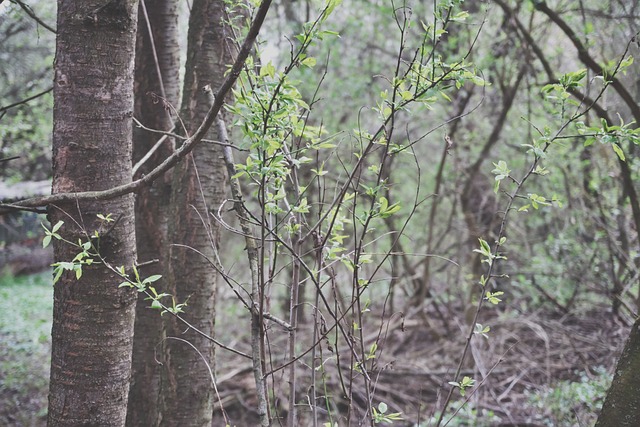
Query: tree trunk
{"type": "Point", "coordinates": [621, 407]}
{"type": "Point", "coordinates": [154, 101]}
{"type": "Point", "coordinates": [198, 186]}
{"type": "Point", "coordinates": [92, 330]}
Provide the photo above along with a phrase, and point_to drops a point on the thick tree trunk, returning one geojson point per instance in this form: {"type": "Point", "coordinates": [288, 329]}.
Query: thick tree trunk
{"type": "Point", "coordinates": [153, 101]}
{"type": "Point", "coordinates": [198, 186]}
{"type": "Point", "coordinates": [92, 330]}
{"type": "Point", "coordinates": [621, 408]}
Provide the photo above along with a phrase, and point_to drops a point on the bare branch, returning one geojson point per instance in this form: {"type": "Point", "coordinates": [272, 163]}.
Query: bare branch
{"type": "Point", "coordinates": [6, 159]}
{"type": "Point", "coordinates": [32, 14]}
{"type": "Point", "coordinates": [181, 152]}
{"type": "Point", "coordinates": [588, 60]}
{"type": "Point", "coordinates": [4, 109]}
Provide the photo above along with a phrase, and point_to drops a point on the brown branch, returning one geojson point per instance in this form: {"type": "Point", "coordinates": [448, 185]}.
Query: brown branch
{"type": "Point", "coordinates": [252, 257]}
{"type": "Point", "coordinates": [181, 152]}
{"type": "Point", "coordinates": [583, 55]}
{"type": "Point", "coordinates": [545, 64]}
{"type": "Point", "coordinates": [6, 159]}
{"type": "Point", "coordinates": [33, 16]}
{"type": "Point", "coordinates": [24, 101]}
{"type": "Point", "coordinates": [627, 179]}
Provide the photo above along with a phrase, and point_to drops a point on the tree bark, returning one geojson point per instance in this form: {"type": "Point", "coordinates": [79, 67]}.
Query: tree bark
{"type": "Point", "coordinates": [621, 407]}
{"type": "Point", "coordinates": [92, 331]}
{"type": "Point", "coordinates": [156, 92]}
{"type": "Point", "coordinates": [198, 187]}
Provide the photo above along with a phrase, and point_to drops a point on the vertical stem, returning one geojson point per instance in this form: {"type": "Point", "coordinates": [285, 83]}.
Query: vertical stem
{"type": "Point", "coordinates": [252, 255]}
{"type": "Point", "coordinates": [314, 397]}
{"type": "Point", "coordinates": [293, 320]}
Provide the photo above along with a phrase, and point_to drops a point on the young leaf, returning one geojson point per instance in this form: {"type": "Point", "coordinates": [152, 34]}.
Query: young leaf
{"type": "Point", "coordinates": [618, 151]}
{"type": "Point", "coordinates": [57, 226]}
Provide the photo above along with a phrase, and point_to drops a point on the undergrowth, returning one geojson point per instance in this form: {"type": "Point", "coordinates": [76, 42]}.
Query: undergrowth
{"type": "Point", "coordinates": [25, 334]}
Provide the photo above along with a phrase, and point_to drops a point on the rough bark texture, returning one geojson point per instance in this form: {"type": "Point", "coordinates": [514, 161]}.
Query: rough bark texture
{"type": "Point", "coordinates": [621, 408]}
{"type": "Point", "coordinates": [198, 186]}
{"type": "Point", "coordinates": [92, 330]}
{"type": "Point", "coordinates": [152, 108]}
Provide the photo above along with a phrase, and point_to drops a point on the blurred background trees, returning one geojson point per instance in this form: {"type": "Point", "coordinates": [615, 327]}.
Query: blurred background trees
{"type": "Point", "coordinates": [572, 278]}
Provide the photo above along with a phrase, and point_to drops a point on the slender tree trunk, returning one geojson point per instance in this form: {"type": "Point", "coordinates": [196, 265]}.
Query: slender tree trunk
{"type": "Point", "coordinates": [93, 319]}
{"type": "Point", "coordinates": [198, 186]}
{"type": "Point", "coordinates": [156, 91]}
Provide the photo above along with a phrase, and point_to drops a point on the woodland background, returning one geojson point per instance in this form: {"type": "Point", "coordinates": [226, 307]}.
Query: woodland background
{"type": "Point", "coordinates": [543, 104]}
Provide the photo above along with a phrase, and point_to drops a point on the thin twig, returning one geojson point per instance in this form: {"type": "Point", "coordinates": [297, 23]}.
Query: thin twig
{"type": "Point", "coordinates": [180, 153]}
{"type": "Point", "coordinates": [33, 16]}
{"type": "Point", "coordinates": [24, 101]}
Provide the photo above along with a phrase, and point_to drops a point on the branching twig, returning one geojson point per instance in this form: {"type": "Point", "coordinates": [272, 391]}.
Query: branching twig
{"type": "Point", "coordinates": [181, 152]}
{"type": "Point", "coordinates": [252, 254]}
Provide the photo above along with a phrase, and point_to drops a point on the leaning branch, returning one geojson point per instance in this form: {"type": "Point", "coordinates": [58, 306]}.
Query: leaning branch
{"type": "Point", "coordinates": [588, 60]}
{"type": "Point", "coordinates": [181, 152]}
{"type": "Point", "coordinates": [33, 15]}
{"type": "Point", "coordinates": [252, 255]}
{"type": "Point", "coordinates": [24, 101]}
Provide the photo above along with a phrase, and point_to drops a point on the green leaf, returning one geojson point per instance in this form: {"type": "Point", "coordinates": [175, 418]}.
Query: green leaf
{"type": "Point", "coordinates": [58, 270]}
{"type": "Point", "coordinates": [492, 297]}
{"type": "Point", "coordinates": [618, 151]}
{"type": "Point", "coordinates": [329, 8]}
{"type": "Point", "coordinates": [382, 407]}
{"type": "Point", "coordinates": [626, 62]}
{"type": "Point", "coordinates": [57, 226]}
{"type": "Point", "coordinates": [309, 62]}
{"type": "Point", "coordinates": [406, 95]}
{"type": "Point", "coordinates": [268, 70]}
{"type": "Point", "coordinates": [485, 246]}
{"type": "Point", "coordinates": [460, 16]}
{"type": "Point", "coordinates": [46, 240]}
{"type": "Point", "coordinates": [152, 279]}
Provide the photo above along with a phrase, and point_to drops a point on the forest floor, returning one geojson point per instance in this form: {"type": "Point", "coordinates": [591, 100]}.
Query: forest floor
{"type": "Point", "coordinates": [537, 368]}
{"type": "Point", "coordinates": [25, 346]}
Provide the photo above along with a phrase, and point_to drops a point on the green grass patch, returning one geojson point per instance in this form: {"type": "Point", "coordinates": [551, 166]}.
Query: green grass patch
{"type": "Point", "coordinates": [25, 334]}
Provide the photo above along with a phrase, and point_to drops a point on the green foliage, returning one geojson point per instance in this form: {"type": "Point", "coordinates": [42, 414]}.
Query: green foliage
{"type": "Point", "coordinates": [25, 329]}
{"type": "Point", "coordinates": [501, 171]}
{"type": "Point", "coordinates": [311, 179]}
{"type": "Point", "coordinates": [611, 135]}
{"type": "Point", "coordinates": [463, 385]}
{"type": "Point", "coordinates": [144, 286]}
{"type": "Point", "coordinates": [492, 297]}
{"type": "Point", "coordinates": [84, 256]}
{"type": "Point", "coordinates": [49, 234]}
{"type": "Point", "coordinates": [482, 330]}
{"type": "Point", "coordinates": [571, 403]}
{"type": "Point", "coordinates": [26, 52]}
{"type": "Point", "coordinates": [89, 253]}
{"type": "Point", "coordinates": [466, 416]}
{"type": "Point", "coordinates": [380, 415]}
{"type": "Point", "coordinates": [488, 256]}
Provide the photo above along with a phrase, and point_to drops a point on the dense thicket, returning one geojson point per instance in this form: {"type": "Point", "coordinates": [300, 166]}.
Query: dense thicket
{"type": "Point", "coordinates": [430, 203]}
